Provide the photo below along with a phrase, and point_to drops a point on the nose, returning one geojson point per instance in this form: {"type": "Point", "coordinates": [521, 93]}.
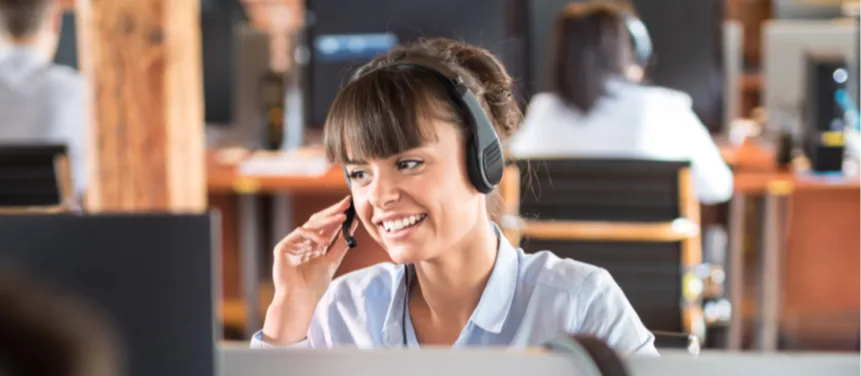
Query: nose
{"type": "Point", "coordinates": [383, 191]}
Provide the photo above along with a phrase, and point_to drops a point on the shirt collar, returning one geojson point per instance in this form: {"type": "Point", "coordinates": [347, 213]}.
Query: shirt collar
{"type": "Point", "coordinates": [492, 308]}
{"type": "Point", "coordinates": [495, 303]}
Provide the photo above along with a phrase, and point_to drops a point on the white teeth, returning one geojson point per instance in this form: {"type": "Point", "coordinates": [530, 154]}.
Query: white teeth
{"type": "Point", "coordinates": [397, 224]}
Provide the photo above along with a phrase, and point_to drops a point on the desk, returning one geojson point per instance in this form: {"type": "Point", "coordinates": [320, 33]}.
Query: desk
{"type": "Point", "coordinates": [836, 201]}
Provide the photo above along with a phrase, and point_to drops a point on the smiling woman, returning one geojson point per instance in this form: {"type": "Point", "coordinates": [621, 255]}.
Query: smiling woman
{"type": "Point", "coordinates": [419, 131]}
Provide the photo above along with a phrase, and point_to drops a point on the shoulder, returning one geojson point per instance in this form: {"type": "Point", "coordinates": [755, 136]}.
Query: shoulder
{"type": "Point", "coordinates": [548, 104]}
{"type": "Point", "coordinates": [63, 78]}
{"type": "Point", "coordinates": [543, 99]}
{"type": "Point", "coordinates": [547, 270]}
{"type": "Point", "coordinates": [667, 96]}
{"type": "Point", "coordinates": [375, 281]}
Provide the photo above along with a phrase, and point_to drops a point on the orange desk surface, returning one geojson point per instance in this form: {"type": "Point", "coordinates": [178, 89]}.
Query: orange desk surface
{"type": "Point", "coordinates": [753, 162]}
{"type": "Point", "coordinates": [223, 177]}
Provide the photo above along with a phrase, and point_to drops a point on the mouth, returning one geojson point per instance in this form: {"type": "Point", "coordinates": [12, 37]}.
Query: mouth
{"type": "Point", "coordinates": [398, 225]}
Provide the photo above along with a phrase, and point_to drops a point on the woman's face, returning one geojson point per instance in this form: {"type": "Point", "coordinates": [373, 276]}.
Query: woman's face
{"type": "Point", "coordinates": [419, 203]}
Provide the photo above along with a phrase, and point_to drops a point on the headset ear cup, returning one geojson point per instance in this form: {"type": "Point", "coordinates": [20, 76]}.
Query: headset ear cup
{"type": "Point", "coordinates": [475, 167]}
{"type": "Point", "coordinates": [591, 355]}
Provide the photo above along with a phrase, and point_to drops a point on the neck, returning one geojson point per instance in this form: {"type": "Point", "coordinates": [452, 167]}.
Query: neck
{"type": "Point", "coordinates": [450, 287]}
{"type": "Point", "coordinates": [39, 43]}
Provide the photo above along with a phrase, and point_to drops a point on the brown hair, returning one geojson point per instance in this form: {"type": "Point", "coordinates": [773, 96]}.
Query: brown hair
{"type": "Point", "coordinates": [20, 18]}
{"type": "Point", "coordinates": [46, 332]}
{"type": "Point", "coordinates": [379, 112]}
{"type": "Point", "coordinates": [590, 44]}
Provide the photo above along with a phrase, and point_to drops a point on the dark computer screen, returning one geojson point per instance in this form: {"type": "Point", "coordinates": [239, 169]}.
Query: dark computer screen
{"type": "Point", "coordinates": [67, 46]}
{"type": "Point", "coordinates": [342, 35]}
{"type": "Point", "coordinates": [152, 276]}
{"type": "Point", "coordinates": [218, 20]}
{"type": "Point", "coordinates": [687, 40]}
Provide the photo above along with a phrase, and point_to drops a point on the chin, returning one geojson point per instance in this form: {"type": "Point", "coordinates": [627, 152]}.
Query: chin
{"type": "Point", "coordinates": [406, 254]}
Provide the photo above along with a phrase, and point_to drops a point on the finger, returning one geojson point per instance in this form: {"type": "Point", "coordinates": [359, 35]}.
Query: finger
{"type": "Point", "coordinates": [297, 241]}
{"type": "Point", "coordinates": [340, 206]}
{"type": "Point", "coordinates": [314, 236]}
{"type": "Point", "coordinates": [324, 222]}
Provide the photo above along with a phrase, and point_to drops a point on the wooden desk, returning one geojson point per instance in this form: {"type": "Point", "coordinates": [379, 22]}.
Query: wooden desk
{"type": "Point", "coordinates": [820, 210]}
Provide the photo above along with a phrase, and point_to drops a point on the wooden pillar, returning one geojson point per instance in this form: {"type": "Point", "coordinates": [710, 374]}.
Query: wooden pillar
{"type": "Point", "coordinates": [147, 142]}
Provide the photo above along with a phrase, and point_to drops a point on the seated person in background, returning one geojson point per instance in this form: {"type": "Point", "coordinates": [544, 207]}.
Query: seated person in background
{"type": "Point", "coordinates": [594, 110]}
{"type": "Point", "coordinates": [455, 281]}
{"type": "Point", "coordinates": [39, 101]}
{"type": "Point", "coordinates": [43, 332]}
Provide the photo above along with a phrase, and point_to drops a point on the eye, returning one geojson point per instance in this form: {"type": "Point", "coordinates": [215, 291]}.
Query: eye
{"type": "Point", "coordinates": [409, 164]}
{"type": "Point", "coordinates": [358, 175]}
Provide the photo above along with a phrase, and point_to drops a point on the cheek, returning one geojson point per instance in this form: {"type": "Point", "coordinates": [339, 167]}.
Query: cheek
{"type": "Point", "coordinates": [364, 211]}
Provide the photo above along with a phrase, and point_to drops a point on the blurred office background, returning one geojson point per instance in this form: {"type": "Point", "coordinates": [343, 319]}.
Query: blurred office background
{"type": "Point", "coordinates": [777, 267]}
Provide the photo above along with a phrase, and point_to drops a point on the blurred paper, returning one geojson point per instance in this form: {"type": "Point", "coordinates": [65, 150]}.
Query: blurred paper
{"type": "Point", "coordinates": [295, 163]}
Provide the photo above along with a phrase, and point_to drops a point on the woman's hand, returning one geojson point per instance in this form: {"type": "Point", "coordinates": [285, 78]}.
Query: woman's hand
{"type": "Point", "coordinates": [304, 263]}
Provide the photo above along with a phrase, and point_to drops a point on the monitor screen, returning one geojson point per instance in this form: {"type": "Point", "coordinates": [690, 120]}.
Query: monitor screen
{"type": "Point", "coordinates": [342, 35]}
{"type": "Point", "coordinates": [67, 46]}
{"type": "Point", "coordinates": [687, 56]}
{"type": "Point", "coordinates": [152, 277]}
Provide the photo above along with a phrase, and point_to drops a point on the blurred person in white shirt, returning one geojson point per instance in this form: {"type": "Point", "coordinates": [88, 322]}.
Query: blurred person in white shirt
{"type": "Point", "coordinates": [40, 102]}
{"type": "Point", "coordinates": [597, 108]}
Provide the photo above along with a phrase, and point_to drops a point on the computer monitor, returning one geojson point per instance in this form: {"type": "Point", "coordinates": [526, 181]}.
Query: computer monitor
{"type": "Point", "coordinates": [786, 44]}
{"type": "Point", "coordinates": [807, 9]}
{"type": "Point", "coordinates": [219, 20]}
{"type": "Point", "coordinates": [687, 41]}
{"type": "Point", "coordinates": [151, 275]}
{"type": "Point", "coordinates": [343, 35]}
{"type": "Point", "coordinates": [67, 46]}
{"type": "Point", "coordinates": [242, 361]}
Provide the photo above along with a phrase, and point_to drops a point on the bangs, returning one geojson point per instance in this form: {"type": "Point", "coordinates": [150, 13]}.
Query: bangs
{"type": "Point", "coordinates": [385, 113]}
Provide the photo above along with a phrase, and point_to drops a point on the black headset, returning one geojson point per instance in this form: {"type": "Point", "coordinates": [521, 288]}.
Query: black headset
{"type": "Point", "coordinates": [484, 159]}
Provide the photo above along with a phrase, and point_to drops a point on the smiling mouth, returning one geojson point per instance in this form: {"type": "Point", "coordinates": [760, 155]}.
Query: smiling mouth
{"type": "Point", "coordinates": [403, 223]}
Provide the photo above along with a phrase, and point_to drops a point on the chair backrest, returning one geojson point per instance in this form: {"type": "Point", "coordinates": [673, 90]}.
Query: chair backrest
{"type": "Point", "coordinates": [679, 341]}
{"type": "Point", "coordinates": [34, 177]}
{"type": "Point", "coordinates": [600, 189]}
{"type": "Point", "coordinates": [648, 273]}
{"type": "Point", "coordinates": [617, 214]}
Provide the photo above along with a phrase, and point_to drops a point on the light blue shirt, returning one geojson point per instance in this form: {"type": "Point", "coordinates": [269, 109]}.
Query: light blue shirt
{"type": "Point", "coordinates": [529, 299]}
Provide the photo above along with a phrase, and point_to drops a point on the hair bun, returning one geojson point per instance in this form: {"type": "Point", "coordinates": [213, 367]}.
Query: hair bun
{"type": "Point", "coordinates": [491, 81]}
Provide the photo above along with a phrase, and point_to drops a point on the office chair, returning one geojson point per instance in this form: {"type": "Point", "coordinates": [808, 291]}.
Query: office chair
{"type": "Point", "coordinates": [680, 341]}
{"type": "Point", "coordinates": [638, 219]}
{"type": "Point", "coordinates": [35, 178]}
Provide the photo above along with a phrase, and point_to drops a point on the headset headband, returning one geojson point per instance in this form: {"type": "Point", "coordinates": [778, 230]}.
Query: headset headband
{"type": "Point", "coordinates": [640, 35]}
{"type": "Point", "coordinates": [485, 161]}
